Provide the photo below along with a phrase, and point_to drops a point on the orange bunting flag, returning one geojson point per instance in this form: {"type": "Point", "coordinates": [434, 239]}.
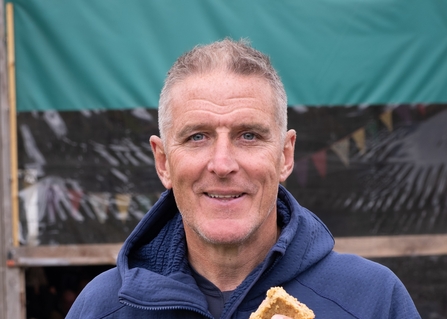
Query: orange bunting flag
{"type": "Point", "coordinates": [359, 139]}
{"type": "Point", "coordinates": [341, 148]}
{"type": "Point", "coordinates": [387, 119]}
{"type": "Point", "coordinates": [319, 160]}
{"type": "Point", "coordinates": [122, 202]}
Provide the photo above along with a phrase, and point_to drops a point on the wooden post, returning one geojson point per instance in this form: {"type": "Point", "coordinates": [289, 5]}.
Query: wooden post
{"type": "Point", "coordinates": [12, 285]}
{"type": "Point", "coordinates": [12, 122]}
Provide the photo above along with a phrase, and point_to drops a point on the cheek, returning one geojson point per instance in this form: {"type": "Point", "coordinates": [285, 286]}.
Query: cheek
{"type": "Point", "coordinates": [183, 170]}
{"type": "Point", "coordinates": [267, 166]}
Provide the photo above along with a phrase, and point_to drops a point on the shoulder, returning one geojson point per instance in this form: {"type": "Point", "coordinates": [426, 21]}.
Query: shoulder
{"type": "Point", "coordinates": [360, 286]}
{"type": "Point", "coordinates": [352, 266]}
{"type": "Point", "coordinates": [348, 272]}
{"type": "Point", "coordinates": [99, 297]}
{"type": "Point", "coordinates": [106, 283]}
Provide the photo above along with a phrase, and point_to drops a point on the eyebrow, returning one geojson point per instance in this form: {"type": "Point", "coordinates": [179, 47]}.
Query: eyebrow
{"type": "Point", "coordinates": [189, 129]}
{"type": "Point", "coordinates": [256, 127]}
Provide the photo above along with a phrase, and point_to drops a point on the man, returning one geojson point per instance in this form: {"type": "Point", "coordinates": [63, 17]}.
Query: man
{"type": "Point", "coordinates": [225, 231]}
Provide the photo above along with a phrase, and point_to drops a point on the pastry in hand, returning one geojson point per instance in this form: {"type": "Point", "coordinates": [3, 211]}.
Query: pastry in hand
{"type": "Point", "coordinates": [279, 302]}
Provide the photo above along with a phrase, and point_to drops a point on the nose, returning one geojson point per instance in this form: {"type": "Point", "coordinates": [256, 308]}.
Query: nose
{"type": "Point", "coordinates": [223, 160]}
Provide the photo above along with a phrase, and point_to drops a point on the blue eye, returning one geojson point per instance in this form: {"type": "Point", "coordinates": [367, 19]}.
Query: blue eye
{"type": "Point", "coordinates": [197, 137]}
{"type": "Point", "coordinates": [248, 136]}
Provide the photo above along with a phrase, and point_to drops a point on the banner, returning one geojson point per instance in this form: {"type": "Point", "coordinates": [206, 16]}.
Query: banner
{"type": "Point", "coordinates": [89, 177]}
{"type": "Point", "coordinates": [114, 54]}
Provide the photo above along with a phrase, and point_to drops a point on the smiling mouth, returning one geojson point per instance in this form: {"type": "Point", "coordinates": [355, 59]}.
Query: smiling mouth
{"type": "Point", "coordinates": [223, 196]}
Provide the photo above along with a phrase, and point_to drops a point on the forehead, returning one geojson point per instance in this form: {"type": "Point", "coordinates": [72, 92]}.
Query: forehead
{"type": "Point", "coordinates": [221, 91]}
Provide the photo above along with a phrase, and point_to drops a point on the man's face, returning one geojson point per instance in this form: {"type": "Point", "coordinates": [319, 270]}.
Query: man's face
{"type": "Point", "coordinates": [223, 156]}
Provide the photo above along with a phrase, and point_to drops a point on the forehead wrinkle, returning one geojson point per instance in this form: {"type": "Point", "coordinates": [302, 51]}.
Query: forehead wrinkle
{"type": "Point", "coordinates": [224, 106]}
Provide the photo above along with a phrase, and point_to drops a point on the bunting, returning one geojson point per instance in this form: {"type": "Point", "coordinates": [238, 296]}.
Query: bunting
{"type": "Point", "coordinates": [31, 202]}
{"type": "Point", "coordinates": [300, 168]}
{"type": "Point", "coordinates": [421, 109]}
{"type": "Point", "coordinates": [55, 199]}
{"type": "Point", "coordinates": [75, 198]}
{"type": "Point", "coordinates": [341, 147]}
{"type": "Point", "coordinates": [387, 119]}
{"type": "Point", "coordinates": [100, 204]}
{"type": "Point", "coordinates": [122, 202]}
{"type": "Point", "coordinates": [319, 160]}
{"type": "Point", "coordinates": [359, 139]}
{"type": "Point", "coordinates": [52, 198]}
{"type": "Point", "coordinates": [372, 129]}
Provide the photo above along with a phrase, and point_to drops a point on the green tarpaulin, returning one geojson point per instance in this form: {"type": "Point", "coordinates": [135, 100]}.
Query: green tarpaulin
{"type": "Point", "coordinates": [114, 54]}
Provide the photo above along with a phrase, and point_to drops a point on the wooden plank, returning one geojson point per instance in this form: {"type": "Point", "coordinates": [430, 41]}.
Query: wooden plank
{"type": "Point", "coordinates": [15, 297]}
{"type": "Point", "coordinates": [393, 246]}
{"type": "Point", "coordinates": [98, 254]}
{"type": "Point", "coordinates": [12, 280]}
{"type": "Point", "coordinates": [12, 121]}
{"type": "Point", "coordinates": [106, 254]}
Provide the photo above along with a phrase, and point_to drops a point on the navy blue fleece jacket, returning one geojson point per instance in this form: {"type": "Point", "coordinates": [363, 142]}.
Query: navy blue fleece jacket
{"type": "Point", "coordinates": [153, 280]}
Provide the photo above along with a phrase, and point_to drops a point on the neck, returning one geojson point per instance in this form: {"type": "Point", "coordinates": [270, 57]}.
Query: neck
{"type": "Point", "coordinates": [226, 266]}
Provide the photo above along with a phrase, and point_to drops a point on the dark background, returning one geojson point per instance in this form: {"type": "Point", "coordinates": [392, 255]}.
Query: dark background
{"type": "Point", "coordinates": [396, 186]}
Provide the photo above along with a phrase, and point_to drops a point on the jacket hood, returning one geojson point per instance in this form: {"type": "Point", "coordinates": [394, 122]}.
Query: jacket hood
{"type": "Point", "coordinates": [152, 255]}
{"type": "Point", "coordinates": [303, 242]}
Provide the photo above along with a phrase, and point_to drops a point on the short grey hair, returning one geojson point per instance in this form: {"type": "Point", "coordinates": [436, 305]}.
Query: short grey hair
{"type": "Point", "coordinates": [236, 57]}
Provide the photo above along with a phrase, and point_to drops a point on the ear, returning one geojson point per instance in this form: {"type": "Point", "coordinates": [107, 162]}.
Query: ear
{"type": "Point", "coordinates": [161, 161]}
{"type": "Point", "coordinates": [288, 155]}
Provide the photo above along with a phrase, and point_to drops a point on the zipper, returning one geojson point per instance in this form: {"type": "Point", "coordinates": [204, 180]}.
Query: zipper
{"type": "Point", "coordinates": [205, 314]}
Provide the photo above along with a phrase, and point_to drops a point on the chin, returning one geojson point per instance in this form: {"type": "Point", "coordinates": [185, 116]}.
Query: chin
{"type": "Point", "coordinates": [225, 241]}
{"type": "Point", "coordinates": [225, 238]}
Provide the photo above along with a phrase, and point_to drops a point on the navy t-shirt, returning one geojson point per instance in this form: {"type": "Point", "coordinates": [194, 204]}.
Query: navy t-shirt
{"type": "Point", "coordinates": [216, 299]}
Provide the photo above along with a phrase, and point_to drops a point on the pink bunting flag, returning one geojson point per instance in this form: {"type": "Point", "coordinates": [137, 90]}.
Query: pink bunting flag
{"type": "Point", "coordinates": [421, 109]}
{"type": "Point", "coordinates": [319, 160]}
{"type": "Point", "coordinates": [75, 198]}
{"type": "Point", "coordinates": [301, 167]}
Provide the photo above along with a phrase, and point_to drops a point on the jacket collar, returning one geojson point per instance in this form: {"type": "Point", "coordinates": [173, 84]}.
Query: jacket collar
{"type": "Point", "coordinates": [304, 240]}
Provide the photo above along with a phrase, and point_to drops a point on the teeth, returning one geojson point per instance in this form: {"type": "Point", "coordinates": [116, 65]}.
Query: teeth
{"type": "Point", "coordinates": [223, 196]}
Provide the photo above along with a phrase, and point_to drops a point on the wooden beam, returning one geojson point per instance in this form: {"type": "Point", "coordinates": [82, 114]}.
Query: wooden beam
{"type": "Point", "coordinates": [12, 280]}
{"type": "Point", "coordinates": [11, 65]}
{"type": "Point", "coordinates": [106, 254]}
{"type": "Point", "coordinates": [393, 246]}
{"type": "Point", "coordinates": [65, 255]}
{"type": "Point", "coordinates": [15, 297]}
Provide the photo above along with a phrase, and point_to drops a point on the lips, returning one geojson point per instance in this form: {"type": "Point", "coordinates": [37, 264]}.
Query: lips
{"type": "Point", "coordinates": [219, 196]}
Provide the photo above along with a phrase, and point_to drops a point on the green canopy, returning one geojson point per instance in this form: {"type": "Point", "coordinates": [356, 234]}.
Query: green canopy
{"type": "Point", "coordinates": [114, 54]}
